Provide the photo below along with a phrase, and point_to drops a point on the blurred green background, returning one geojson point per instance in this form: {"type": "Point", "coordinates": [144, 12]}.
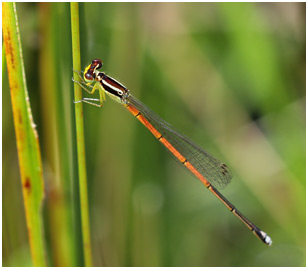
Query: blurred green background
{"type": "Point", "coordinates": [231, 76]}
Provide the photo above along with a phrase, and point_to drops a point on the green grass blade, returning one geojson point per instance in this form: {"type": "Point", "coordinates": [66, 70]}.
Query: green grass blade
{"type": "Point", "coordinates": [62, 231]}
{"type": "Point", "coordinates": [26, 136]}
{"type": "Point", "coordinates": [80, 138]}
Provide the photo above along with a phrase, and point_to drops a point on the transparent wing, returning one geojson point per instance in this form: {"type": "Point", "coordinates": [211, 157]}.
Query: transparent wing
{"type": "Point", "coordinates": [216, 172]}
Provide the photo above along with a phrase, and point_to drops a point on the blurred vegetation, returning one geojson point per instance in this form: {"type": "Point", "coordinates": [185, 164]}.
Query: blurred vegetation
{"type": "Point", "coordinates": [231, 76]}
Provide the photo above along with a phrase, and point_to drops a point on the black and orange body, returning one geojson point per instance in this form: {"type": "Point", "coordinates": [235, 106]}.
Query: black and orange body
{"type": "Point", "coordinates": [209, 170]}
{"type": "Point", "coordinates": [259, 233]}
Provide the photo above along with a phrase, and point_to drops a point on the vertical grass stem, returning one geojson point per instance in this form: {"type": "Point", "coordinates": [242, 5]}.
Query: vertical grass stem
{"type": "Point", "coordinates": [80, 138]}
{"type": "Point", "coordinates": [29, 155]}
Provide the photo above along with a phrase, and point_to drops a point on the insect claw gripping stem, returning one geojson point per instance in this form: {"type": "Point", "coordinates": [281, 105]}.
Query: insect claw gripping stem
{"type": "Point", "coordinates": [78, 72]}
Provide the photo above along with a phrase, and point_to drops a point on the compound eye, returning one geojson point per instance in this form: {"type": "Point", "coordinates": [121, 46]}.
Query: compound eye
{"type": "Point", "coordinates": [88, 77]}
{"type": "Point", "coordinates": [97, 63]}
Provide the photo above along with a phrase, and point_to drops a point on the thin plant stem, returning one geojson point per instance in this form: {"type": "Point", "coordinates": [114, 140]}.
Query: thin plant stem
{"type": "Point", "coordinates": [80, 139]}
{"type": "Point", "coordinates": [29, 155]}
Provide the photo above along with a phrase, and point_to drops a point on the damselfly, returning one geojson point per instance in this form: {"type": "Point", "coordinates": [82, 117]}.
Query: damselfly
{"type": "Point", "coordinates": [210, 171]}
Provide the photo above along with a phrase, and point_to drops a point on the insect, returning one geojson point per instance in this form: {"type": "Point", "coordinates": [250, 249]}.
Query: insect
{"type": "Point", "coordinates": [210, 171]}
